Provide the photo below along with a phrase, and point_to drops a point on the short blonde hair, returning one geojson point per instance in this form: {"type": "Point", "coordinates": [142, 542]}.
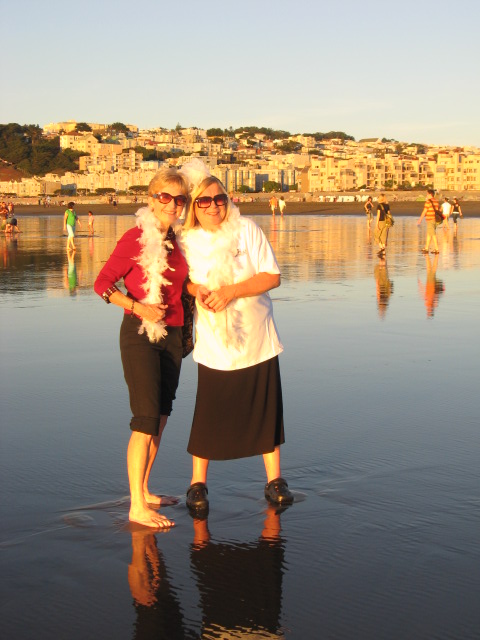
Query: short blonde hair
{"type": "Point", "coordinates": [164, 177]}
{"type": "Point", "coordinates": [191, 219]}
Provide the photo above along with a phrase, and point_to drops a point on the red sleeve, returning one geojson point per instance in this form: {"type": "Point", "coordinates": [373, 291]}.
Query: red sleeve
{"type": "Point", "coordinates": [120, 263]}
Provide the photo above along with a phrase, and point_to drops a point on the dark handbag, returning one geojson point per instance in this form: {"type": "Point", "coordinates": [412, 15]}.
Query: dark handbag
{"type": "Point", "coordinates": [188, 303]}
{"type": "Point", "coordinates": [438, 214]}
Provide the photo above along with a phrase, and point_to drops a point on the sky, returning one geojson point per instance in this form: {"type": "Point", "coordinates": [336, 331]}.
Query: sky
{"type": "Point", "coordinates": [406, 70]}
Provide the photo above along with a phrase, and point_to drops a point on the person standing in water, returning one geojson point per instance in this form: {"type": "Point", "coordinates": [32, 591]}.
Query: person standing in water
{"type": "Point", "coordinates": [149, 262]}
{"type": "Point", "coordinates": [69, 221]}
{"type": "Point", "coordinates": [456, 212]}
{"type": "Point", "coordinates": [239, 407]}
{"type": "Point", "coordinates": [369, 210]}
{"type": "Point", "coordinates": [429, 209]}
{"type": "Point", "coordinates": [91, 222]}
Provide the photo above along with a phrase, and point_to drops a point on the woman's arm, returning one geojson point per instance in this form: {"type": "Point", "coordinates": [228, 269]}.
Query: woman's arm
{"type": "Point", "coordinates": [151, 312]}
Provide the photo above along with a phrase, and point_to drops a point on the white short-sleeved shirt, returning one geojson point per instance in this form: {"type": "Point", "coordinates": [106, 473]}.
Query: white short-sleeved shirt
{"type": "Point", "coordinates": [446, 208]}
{"type": "Point", "coordinates": [245, 333]}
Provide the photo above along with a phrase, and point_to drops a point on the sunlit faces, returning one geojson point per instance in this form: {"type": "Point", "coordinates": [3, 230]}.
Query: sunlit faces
{"type": "Point", "coordinates": [168, 204]}
{"type": "Point", "coordinates": [211, 216]}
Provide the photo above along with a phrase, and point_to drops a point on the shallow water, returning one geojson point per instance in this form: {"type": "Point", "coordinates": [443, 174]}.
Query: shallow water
{"type": "Point", "coordinates": [380, 375]}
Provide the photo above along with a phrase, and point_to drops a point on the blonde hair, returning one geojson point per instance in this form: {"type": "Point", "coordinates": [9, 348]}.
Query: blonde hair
{"type": "Point", "coordinates": [191, 219]}
{"type": "Point", "coordinates": [165, 176]}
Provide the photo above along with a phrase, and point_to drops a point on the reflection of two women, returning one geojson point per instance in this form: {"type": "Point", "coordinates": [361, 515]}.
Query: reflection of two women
{"type": "Point", "coordinates": [384, 286]}
{"type": "Point", "coordinates": [433, 287]}
{"type": "Point", "coordinates": [240, 585]}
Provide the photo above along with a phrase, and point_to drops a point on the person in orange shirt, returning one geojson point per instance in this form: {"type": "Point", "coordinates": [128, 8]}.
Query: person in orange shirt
{"type": "Point", "coordinates": [273, 202]}
{"type": "Point", "coordinates": [431, 206]}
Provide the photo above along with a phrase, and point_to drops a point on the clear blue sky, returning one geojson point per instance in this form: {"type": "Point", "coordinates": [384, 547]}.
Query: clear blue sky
{"type": "Point", "coordinates": [406, 70]}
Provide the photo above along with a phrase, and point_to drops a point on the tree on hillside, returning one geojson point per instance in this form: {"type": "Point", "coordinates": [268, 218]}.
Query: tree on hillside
{"type": "Point", "coordinates": [29, 151]}
{"type": "Point", "coordinates": [289, 146]}
{"type": "Point", "coordinates": [83, 126]}
{"type": "Point", "coordinates": [118, 127]}
{"type": "Point", "coordinates": [215, 132]}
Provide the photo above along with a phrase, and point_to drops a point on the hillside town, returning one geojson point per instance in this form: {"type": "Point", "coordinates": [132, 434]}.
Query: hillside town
{"type": "Point", "coordinates": [247, 162]}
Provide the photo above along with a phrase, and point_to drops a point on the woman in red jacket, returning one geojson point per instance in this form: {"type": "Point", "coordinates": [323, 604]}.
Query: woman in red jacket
{"type": "Point", "coordinates": [149, 261]}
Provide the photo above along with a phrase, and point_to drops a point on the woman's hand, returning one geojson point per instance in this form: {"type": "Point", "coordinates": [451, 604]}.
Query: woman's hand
{"type": "Point", "coordinates": [201, 294]}
{"type": "Point", "coordinates": [150, 312]}
{"type": "Point", "coordinates": [219, 299]}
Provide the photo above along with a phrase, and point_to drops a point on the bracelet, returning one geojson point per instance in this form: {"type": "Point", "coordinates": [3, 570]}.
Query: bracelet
{"type": "Point", "coordinates": [106, 294]}
{"type": "Point", "coordinates": [131, 308]}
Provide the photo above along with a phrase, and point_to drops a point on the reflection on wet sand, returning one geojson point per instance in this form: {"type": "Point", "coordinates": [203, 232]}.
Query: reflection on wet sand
{"type": "Point", "coordinates": [433, 287]}
{"type": "Point", "coordinates": [384, 286]}
{"type": "Point", "coordinates": [239, 584]}
{"type": "Point", "coordinates": [71, 278]}
{"type": "Point", "coordinates": [156, 603]}
{"type": "Point", "coordinates": [308, 248]}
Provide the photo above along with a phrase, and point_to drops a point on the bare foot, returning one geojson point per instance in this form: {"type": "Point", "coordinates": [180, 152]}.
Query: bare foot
{"type": "Point", "coordinates": [150, 518]}
{"type": "Point", "coordinates": [160, 500]}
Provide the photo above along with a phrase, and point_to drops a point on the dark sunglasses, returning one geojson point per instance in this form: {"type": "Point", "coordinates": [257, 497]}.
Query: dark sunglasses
{"type": "Point", "coordinates": [205, 201]}
{"type": "Point", "coordinates": [165, 198]}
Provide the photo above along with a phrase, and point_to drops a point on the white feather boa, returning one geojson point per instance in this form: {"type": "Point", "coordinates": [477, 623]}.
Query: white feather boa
{"type": "Point", "coordinates": [219, 251]}
{"type": "Point", "coordinates": [153, 261]}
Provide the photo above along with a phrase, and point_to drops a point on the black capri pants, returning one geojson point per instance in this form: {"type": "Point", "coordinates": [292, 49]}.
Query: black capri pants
{"type": "Point", "coordinates": [151, 371]}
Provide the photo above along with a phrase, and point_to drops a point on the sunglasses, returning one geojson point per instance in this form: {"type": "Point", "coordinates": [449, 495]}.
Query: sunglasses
{"type": "Point", "coordinates": [165, 198]}
{"type": "Point", "coordinates": [205, 201]}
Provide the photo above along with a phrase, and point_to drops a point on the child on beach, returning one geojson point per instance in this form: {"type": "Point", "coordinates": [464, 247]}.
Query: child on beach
{"type": "Point", "coordinates": [281, 205]}
{"type": "Point", "coordinates": [91, 221]}
{"type": "Point", "coordinates": [69, 221]}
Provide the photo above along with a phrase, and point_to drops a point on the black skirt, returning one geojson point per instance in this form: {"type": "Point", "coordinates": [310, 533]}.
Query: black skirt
{"type": "Point", "coordinates": [237, 413]}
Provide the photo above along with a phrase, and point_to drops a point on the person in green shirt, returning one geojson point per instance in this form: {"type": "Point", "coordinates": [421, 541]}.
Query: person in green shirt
{"type": "Point", "coordinates": [69, 221]}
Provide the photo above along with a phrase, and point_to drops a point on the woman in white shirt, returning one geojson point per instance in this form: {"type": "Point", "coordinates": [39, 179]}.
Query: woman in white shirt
{"type": "Point", "coordinates": [239, 409]}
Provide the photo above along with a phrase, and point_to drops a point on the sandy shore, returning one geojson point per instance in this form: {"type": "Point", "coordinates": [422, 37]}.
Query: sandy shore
{"type": "Point", "coordinates": [260, 207]}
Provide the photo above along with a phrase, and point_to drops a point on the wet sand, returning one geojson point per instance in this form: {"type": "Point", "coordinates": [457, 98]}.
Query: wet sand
{"type": "Point", "coordinates": [260, 207]}
{"type": "Point", "coordinates": [380, 385]}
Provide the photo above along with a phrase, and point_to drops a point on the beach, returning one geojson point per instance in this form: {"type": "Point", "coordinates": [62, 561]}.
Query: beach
{"type": "Point", "coordinates": [380, 377]}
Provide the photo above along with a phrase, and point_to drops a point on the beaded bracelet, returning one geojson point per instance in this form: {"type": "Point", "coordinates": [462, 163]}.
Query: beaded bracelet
{"type": "Point", "coordinates": [106, 294]}
{"type": "Point", "coordinates": [131, 308]}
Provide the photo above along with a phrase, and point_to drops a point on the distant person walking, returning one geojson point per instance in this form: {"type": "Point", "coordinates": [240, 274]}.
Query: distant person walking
{"type": "Point", "coordinates": [273, 202]}
{"type": "Point", "coordinates": [91, 222]}
{"type": "Point", "coordinates": [70, 219]}
{"type": "Point", "coordinates": [368, 206]}
{"type": "Point", "coordinates": [281, 205]}
{"type": "Point", "coordinates": [456, 212]}
{"type": "Point", "coordinates": [446, 211]}
{"type": "Point", "coordinates": [381, 229]}
{"type": "Point", "coordinates": [429, 209]}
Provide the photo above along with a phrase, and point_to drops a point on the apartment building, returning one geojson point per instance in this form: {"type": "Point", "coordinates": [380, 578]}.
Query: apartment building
{"type": "Point", "coordinates": [457, 172]}
{"type": "Point", "coordinates": [78, 142]}
{"type": "Point", "coordinates": [128, 160]}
